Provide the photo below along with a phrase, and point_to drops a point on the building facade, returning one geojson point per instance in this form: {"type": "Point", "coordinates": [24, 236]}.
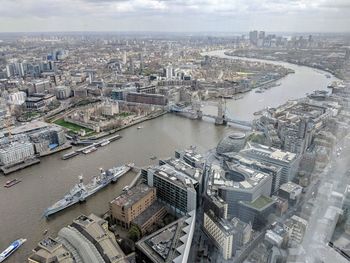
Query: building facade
{"type": "Point", "coordinates": [174, 188]}
{"type": "Point", "coordinates": [127, 207]}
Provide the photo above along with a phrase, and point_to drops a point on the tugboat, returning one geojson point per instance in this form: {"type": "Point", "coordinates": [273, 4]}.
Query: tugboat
{"type": "Point", "coordinates": [10, 183]}
{"type": "Point", "coordinates": [12, 248]}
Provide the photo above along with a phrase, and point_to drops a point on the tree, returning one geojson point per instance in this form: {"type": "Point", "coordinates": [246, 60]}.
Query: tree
{"type": "Point", "coordinates": [134, 233]}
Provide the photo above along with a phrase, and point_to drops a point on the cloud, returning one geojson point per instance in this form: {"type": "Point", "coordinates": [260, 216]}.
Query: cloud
{"type": "Point", "coordinates": [197, 15]}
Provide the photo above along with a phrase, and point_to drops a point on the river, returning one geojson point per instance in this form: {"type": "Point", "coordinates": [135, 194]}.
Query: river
{"type": "Point", "coordinates": [22, 205]}
{"type": "Point", "coordinates": [304, 80]}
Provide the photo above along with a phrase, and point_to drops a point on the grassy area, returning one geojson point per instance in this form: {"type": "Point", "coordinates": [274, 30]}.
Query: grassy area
{"type": "Point", "coordinates": [71, 126]}
{"type": "Point", "coordinates": [261, 202]}
{"type": "Point", "coordinates": [31, 114]}
{"type": "Point", "coordinates": [125, 114]}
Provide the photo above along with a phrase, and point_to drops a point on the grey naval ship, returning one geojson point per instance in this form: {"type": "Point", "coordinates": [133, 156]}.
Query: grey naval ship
{"type": "Point", "coordinates": [81, 191]}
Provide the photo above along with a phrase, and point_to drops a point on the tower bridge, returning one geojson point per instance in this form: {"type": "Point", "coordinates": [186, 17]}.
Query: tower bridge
{"type": "Point", "coordinates": [195, 112]}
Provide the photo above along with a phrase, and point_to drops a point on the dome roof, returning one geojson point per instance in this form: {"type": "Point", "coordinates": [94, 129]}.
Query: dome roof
{"type": "Point", "coordinates": [232, 143]}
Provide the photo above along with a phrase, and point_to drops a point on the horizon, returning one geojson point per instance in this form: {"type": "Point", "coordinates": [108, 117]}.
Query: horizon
{"type": "Point", "coordinates": [174, 16]}
{"type": "Point", "coordinates": [228, 33]}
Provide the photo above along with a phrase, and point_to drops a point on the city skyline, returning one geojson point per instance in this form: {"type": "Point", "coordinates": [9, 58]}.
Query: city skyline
{"type": "Point", "coordinates": [174, 16]}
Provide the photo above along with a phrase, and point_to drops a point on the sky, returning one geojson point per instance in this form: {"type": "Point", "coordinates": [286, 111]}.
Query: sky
{"type": "Point", "coordinates": [175, 15]}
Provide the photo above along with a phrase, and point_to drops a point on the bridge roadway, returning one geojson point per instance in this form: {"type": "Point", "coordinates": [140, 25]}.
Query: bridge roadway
{"type": "Point", "coordinates": [239, 122]}
{"type": "Point", "coordinates": [230, 120]}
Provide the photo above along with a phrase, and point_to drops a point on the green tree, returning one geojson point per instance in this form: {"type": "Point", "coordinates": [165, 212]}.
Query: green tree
{"type": "Point", "coordinates": [134, 233]}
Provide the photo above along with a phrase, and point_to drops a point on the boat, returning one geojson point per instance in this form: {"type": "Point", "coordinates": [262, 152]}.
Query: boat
{"type": "Point", "coordinates": [69, 155]}
{"type": "Point", "coordinates": [139, 127]}
{"type": "Point", "coordinates": [104, 143]}
{"type": "Point", "coordinates": [10, 183]}
{"type": "Point", "coordinates": [12, 248]}
{"type": "Point", "coordinates": [318, 94]}
{"type": "Point", "coordinates": [81, 191]}
{"type": "Point", "coordinates": [89, 150]}
{"type": "Point", "coordinates": [153, 157]}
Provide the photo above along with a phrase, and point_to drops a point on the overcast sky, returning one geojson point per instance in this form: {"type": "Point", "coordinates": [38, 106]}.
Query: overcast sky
{"type": "Point", "coordinates": [175, 15]}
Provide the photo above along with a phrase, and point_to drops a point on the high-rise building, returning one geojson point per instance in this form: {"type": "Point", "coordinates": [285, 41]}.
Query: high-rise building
{"type": "Point", "coordinates": [169, 72]}
{"type": "Point", "coordinates": [274, 170]}
{"type": "Point", "coordinates": [62, 92]}
{"type": "Point", "coordinates": [239, 183]}
{"type": "Point", "coordinates": [288, 161]}
{"type": "Point", "coordinates": [174, 187]}
{"type": "Point", "coordinates": [227, 235]}
{"type": "Point", "coordinates": [291, 192]}
{"type": "Point", "coordinates": [256, 212]}
{"type": "Point", "coordinates": [124, 57]}
{"type": "Point", "coordinates": [253, 37]}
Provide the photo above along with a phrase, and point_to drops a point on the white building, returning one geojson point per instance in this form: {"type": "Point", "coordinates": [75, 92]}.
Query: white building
{"type": "Point", "coordinates": [16, 152]}
{"type": "Point", "coordinates": [16, 98]}
{"type": "Point", "coordinates": [169, 72]}
{"type": "Point", "coordinates": [174, 187]}
{"type": "Point", "coordinates": [221, 234]}
{"type": "Point", "coordinates": [62, 92]}
{"type": "Point", "coordinates": [296, 228]}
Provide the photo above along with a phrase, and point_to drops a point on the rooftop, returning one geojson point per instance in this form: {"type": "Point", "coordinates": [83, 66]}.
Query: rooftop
{"type": "Point", "coordinates": [148, 213]}
{"type": "Point", "coordinates": [239, 176]}
{"type": "Point", "coordinates": [175, 176]}
{"type": "Point", "coordinates": [185, 168]}
{"type": "Point", "coordinates": [28, 127]}
{"type": "Point", "coordinates": [170, 243]}
{"type": "Point", "coordinates": [132, 196]}
{"type": "Point", "coordinates": [290, 187]}
{"type": "Point", "coordinates": [260, 203]}
{"type": "Point", "coordinates": [50, 250]}
{"type": "Point", "coordinates": [270, 152]}
{"type": "Point", "coordinates": [97, 228]}
{"type": "Point", "coordinates": [252, 162]}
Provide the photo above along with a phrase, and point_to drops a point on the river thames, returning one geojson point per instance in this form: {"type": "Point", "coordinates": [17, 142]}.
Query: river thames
{"type": "Point", "coordinates": [22, 206]}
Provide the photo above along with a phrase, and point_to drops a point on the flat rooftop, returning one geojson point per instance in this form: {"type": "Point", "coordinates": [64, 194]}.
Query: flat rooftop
{"type": "Point", "coordinates": [290, 187]}
{"type": "Point", "coordinates": [148, 213]}
{"type": "Point", "coordinates": [260, 203]}
{"type": "Point", "coordinates": [270, 152]}
{"type": "Point", "coordinates": [174, 176]}
{"type": "Point", "coordinates": [50, 250]}
{"type": "Point", "coordinates": [237, 157]}
{"type": "Point", "coordinates": [30, 126]}
{"type": "Point", "coordinates": [132, 196]}
{"type": "Point", "coordinates": [239, 176]}
{"type": "Point", "coordinates": [185, 168]}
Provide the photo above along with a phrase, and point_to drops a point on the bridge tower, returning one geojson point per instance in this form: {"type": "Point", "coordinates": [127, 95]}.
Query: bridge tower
{"type": "Point", "coordinates": [221, 118]}
{"type": "Point", "coordinates": [196, 105]}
